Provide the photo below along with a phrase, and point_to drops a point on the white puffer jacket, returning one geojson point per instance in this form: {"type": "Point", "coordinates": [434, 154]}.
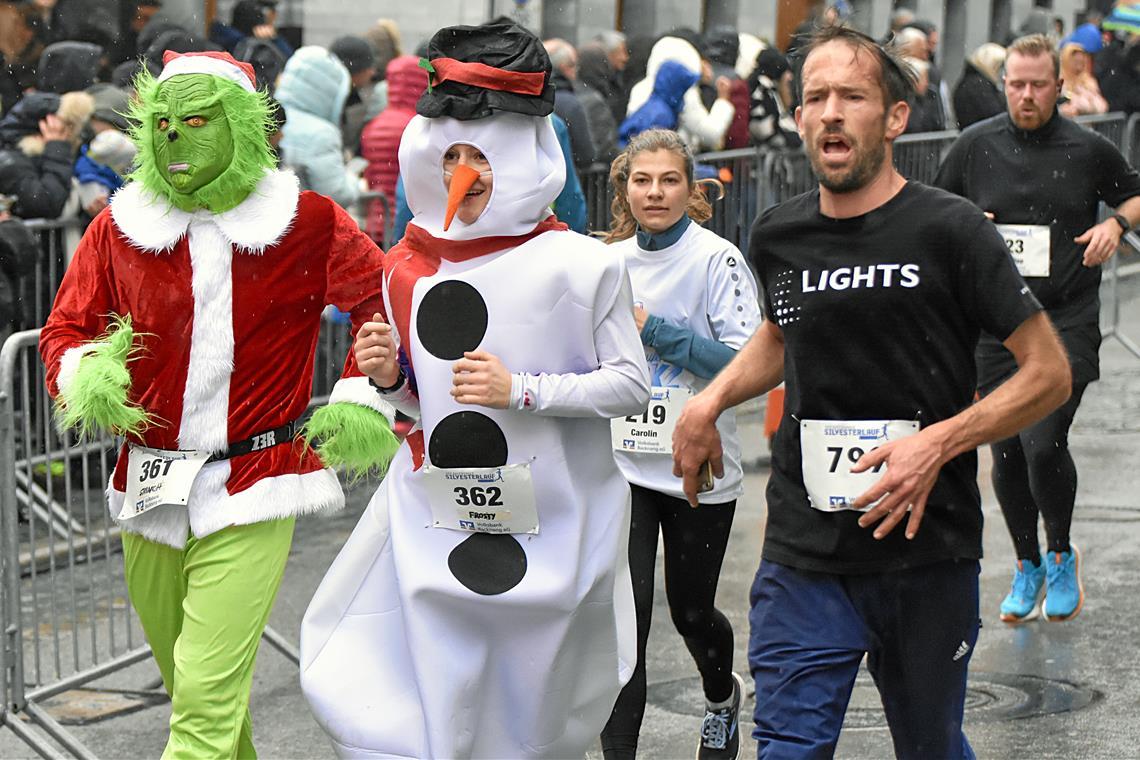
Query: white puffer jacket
{"type": "Point", "coordinates": [703, 129]}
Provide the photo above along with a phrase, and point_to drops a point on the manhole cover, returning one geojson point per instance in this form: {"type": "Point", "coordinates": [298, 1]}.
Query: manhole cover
{"type": "Point", "coordinates": [1103, 513]}
{"type": "Point", "coordinates": [79, 707]}
{"type": "Point", "coordinates": [990, 697]}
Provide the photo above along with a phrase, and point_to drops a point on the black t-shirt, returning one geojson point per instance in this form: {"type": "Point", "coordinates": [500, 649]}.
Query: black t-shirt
{"type": "Point", "coordinates": [1056, 175]}
{"type": "Point", "coordinates": [880, 315]}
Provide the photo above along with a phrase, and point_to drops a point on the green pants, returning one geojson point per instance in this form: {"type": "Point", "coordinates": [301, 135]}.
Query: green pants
{"type": "Point", "coordinates": [203, 610]}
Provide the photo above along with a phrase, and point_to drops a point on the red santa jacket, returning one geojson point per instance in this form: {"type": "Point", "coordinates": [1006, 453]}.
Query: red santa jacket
{"type": "Point", "coordinates": [226, 310]}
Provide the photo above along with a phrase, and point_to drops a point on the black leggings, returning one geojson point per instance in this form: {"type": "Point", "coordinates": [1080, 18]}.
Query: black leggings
{"type": "Point", "coordinates": [1033, 473]}
{"type": "Point", "coordinates": [695, 540]}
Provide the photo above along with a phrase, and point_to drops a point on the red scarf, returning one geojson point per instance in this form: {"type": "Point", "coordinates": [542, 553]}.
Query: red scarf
{"type": "Point", "coordinates": [418, 255]}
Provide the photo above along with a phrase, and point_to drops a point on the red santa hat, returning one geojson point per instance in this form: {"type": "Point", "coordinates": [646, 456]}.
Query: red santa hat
{"type": "Point", "coordinates": [210, 62]}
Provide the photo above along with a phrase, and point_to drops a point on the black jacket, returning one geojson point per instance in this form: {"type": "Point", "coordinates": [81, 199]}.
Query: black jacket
{"type": "Point", "coordinates": [1118, 73]}
{"type": "Point", "coordinates": [69, 66]}
{"type": "Point", "coordinates": [19, 251]}
{"type": "Point", "coordinates": [976, 97]}
{"type": "Point", "coordinates": [40, 183]}
{"type": "Point", "coordinates": [567, 106]}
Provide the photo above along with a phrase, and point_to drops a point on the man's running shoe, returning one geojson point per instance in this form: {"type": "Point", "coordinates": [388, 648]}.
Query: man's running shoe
{"type": "Point", "coordinates": [1064, 594]}
{"type": "Point", "coordinates": [720, 730]}
{"type": "Point", "coordinates": [1028, 582]}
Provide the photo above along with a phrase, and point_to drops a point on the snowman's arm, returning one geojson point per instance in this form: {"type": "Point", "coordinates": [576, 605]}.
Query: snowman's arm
{"type": "Point", "coordinates": [620, 384]}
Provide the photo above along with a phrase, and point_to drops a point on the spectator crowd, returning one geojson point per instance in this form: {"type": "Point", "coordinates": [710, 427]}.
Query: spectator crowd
{"type": "Point", "coordinates": [67, 67]}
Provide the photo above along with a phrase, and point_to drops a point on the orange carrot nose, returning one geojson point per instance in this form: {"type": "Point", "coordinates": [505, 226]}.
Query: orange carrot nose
{"type": "Point", "coordinates": [461, 181]}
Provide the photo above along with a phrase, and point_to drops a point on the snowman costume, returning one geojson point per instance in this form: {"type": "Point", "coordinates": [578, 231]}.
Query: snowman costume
{"type": "Point", "coordinates": [427, 641]}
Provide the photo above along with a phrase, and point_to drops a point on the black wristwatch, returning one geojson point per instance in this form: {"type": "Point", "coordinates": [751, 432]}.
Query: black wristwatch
{"type": "Point", "coordinates": [400, 380]}
{"type": "Point", "coordinates": [1123, 222]}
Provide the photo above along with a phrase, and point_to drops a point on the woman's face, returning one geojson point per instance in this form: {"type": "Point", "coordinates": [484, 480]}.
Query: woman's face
{"type": "Point", "coordinates": [477, 196]}
{"type": "Point", "coordinates": [658, 189]}
{"type": "Point", "coordinates": [1079, 63]}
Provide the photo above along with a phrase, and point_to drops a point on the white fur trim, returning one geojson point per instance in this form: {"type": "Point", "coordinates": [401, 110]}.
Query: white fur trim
{"type": "Point", "coordinates": [206, 398]}
{"type": "Point", "coordinates": [265, 216]}
{"type": "Point", "coordinates": [270, 499]}
{"type": "Point", "coordinates": [211, 509]}
{"type": "Point", "coordinates": [69, 365]}
{"type": "Point", "coordinates": [147, 220]}
{"type": "Point", "coordinates": [356, 390]}
{"type": "Point", "coordinates": [168, 525]}
{"type": "Point", "coordinates": [204, 64]}
{"type": "Point", "coordinates": [152, 224]}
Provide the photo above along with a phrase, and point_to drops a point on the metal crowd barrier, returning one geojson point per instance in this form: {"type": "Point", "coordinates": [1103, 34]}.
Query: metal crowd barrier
{"type": "Point", "coordinates": [363, 207]}
{"type": "Point", "coordinates": [1110, 125]}
{"type": "Point", "coordinates": [64, 610]}
{"type": "Point", "coordinates": [763, 178]}
{"type": "Point", "coordinates": [739, 171]}
{"type": "Point", "coordinates": [58, 238]}
{"type": "Point", "coordinates": [596, 187]}
{"type": "Point", "coordinates": [333, 345]}
{"type": "Point", "coordinates": [1130, 140]}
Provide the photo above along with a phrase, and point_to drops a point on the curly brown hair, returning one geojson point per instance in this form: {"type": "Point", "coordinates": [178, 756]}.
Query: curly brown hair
{"type": "Point", "coordinates": [623, 224]}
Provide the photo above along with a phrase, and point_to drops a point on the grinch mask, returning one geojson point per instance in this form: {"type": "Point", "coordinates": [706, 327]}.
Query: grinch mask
{"type": "Point", "coordinates": [202, 140]}
{"type": "Point", "coordinates": [192, 144]}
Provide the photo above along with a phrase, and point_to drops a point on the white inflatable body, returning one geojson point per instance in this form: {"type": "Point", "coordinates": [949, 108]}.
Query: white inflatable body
{"type": "Point", "coordinates": [428, 642]}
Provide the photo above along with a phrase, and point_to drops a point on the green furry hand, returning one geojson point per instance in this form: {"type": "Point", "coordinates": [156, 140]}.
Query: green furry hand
{"type": "Point", "coordinates": [96, 399]}
{"type": "Point", "coordinates": [354, 438]}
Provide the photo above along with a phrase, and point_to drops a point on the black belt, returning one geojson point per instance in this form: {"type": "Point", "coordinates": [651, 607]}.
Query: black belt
{"type": "Point", "coordinates": [266, 439]}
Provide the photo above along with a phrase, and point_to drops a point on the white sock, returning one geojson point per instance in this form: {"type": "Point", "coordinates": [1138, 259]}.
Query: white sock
{"type": "Point", "coordinates": [714, 706]}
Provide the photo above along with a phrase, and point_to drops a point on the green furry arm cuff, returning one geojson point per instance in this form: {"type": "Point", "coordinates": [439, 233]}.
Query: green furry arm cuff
{"type": "Point", "coordinates": [96, 397]}
{"type": "Point", "coordinates": [353, 438]}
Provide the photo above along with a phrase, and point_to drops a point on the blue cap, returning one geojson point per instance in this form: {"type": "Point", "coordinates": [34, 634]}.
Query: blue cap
{"type": "Point", "coordinates": [1086, 37]}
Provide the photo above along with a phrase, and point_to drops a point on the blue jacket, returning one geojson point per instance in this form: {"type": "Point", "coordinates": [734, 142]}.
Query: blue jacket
{"type": "Point", "coordinates": [312, 89]}
{"type": "Point", "coordinates": [87, 170]}
{"type": "Point", "coordinates": [570, 205]}
{"type": "Point", "coordinates": [228, 37]}
{"type": "Point", "coordinates": [664, 105]}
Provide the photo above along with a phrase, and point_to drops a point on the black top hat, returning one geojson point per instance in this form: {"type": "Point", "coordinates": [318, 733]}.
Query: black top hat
{"type": "Point", "coordinates": [477, 70]}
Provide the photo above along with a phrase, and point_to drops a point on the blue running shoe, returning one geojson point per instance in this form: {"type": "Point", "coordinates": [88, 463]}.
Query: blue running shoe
{"type": "Point", "coordinates": [1021, 604]}
{"type": "Point", "coordinates": [1065, 595]}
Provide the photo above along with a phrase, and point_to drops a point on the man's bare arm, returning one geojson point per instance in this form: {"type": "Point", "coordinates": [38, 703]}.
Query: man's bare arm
{"type": "Point", "coordinates": [756, 369]}
{"type": "Point", "coordinates": [1042, 383]}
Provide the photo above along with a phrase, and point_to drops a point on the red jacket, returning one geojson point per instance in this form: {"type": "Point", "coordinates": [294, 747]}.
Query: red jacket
{"type": "Point", "coordinates": [226, 310]}
{"type": "Point", "coordinates": [380, 141]}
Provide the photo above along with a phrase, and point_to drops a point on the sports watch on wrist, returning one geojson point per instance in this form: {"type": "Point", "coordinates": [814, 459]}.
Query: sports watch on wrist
{"type": "Point", "coordinates": [1123, 222]}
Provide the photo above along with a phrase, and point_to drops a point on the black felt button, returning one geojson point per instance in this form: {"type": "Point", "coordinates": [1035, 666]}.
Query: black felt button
{"type": "Point", "coordinates": [488, 564]}
{"type": "Point", "coordinates": [467, 439]}
{"type": "Point", "coordinates": [452, 318]}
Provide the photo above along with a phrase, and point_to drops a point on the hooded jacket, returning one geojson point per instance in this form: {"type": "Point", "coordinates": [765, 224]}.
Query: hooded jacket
{"type": "Point", "coordinates": [592, 96]}
{"type": "Point", "coordinates": [702, 128]}
{"type": "Point", "coordinates": [663, 108]}
{"type": "Point", "coordinates": [313, 88]}
{"type": "Point", "coordinates": [35, 172]}
{"type": "Point", "coordinates": [976, 97]}
{"type": "Point", "coordinates": [247, 15]}
{"type": "Point", "coordinates": [380, 141]}
{"type": "Point", "coordinates": [68, 66]}
{"type": "Point", "coordinates": [570, 109]}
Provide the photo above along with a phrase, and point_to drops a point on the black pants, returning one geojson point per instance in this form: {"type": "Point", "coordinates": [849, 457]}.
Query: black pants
{"type": "Point", "coordinates": [695, 540]}
{"type": "Point", "coordinates": [1033, 474]}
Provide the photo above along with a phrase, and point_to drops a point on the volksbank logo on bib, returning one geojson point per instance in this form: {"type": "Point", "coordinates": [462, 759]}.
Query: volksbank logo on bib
{"type": "Point", "coordinates": [873, 276]}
